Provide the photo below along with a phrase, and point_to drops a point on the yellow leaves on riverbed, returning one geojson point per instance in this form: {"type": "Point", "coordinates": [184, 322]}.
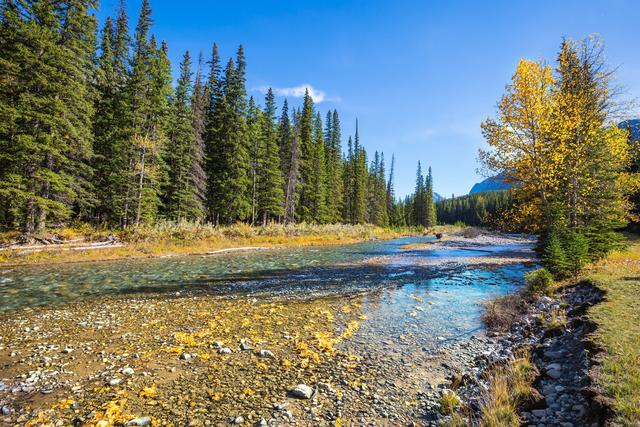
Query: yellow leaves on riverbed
{"type": "Point", "coordinates": [177, 361]}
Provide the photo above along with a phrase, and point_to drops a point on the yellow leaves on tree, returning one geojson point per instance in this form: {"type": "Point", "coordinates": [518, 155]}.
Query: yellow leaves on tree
{"type": "Point", "coordinates": [554, 140]}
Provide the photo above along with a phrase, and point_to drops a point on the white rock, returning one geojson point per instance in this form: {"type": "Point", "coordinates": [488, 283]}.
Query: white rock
{"type": "Point", "coordinates": [127, 371]}
{"type": "Point", "coordinates": [225, 350]}
{"type": "Point", "coordinates": [140, 421]}
{"type": "Point", "coordinates": [265, 353]}
{"type": "Point", "coordinates": [301, 391]}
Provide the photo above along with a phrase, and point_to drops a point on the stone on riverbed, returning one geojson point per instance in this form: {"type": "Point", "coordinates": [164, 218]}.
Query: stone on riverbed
{"type": "Point", "coordinates": [127, 371]}
{"type": "Point", "coordinates": [185, 356]}
{"type": "Point", "coordinates": [265, 353]}
{"type": "Point", "coordinates": [301, 391]}
{"type": "Point", "coordinates": [140, 421]}
{"type": "Point", "coordinates": [225, 350]}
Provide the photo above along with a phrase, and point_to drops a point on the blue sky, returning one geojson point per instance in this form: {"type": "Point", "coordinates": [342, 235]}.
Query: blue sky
{"type": "Point", "coordinates": [420, 76]}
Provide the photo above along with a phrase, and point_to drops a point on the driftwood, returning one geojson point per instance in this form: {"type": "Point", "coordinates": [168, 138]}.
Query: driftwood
{"type": "Point", "coordinates": [25, 244]}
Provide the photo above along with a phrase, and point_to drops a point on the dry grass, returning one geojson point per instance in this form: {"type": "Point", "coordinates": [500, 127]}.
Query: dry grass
{"type": "Point", "coordinates": [510, 386]}
{"type": "Point", "coordinates": [169, 238]}
{"type": "Point", "coordinates": [618, 332]}
{"type": "Point", "coordinates": [501, 313]}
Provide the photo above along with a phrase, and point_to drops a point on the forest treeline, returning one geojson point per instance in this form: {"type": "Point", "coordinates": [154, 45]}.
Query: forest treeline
{"type": "Point", "coordinates": [485, 208]}
{"type": "Point", "coordinates": [93, 130]}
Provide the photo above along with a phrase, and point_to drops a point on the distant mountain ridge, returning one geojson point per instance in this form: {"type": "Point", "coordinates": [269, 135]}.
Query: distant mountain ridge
{"type": "Point", "coordinates": [633, 126]}
{"type": "Point", "coordinates": [490, 184]}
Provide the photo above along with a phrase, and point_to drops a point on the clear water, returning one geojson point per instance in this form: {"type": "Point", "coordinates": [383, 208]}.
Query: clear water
{"type": "Point", "coordinates": [428, 304]}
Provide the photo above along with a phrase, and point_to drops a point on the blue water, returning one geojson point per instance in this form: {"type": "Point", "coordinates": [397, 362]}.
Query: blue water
{"type": "Point", "coordinates": [427, 303]}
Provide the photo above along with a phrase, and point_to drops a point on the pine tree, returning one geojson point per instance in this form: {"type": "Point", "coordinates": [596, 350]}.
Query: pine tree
{"type": "Point", "coordinates": [183, 200]}
{"type": "Point", "coordinates": [419, 199]}
{"type": "Point", "coordinates": [359, 181]}
{"type": "Point", "coordinates": [430, 209]}
{"type": "Point", "coordinates": [111, 126]}
{"type": "Point", "coordinates": [214, 116]}
{"type": "Point", "coordinates": [271, 180]}
{"type": "Point", "coordinates": [390, 196]}
{"type": "Point", "coordinates": [199, 106]}
{"type": "Point", "coordinates": [333, 160]}
{"type": "Point", "coordinates": [348, 184]}
{"type": "Point", "coordinates": [47, 109]}
{"type": "Point", "coordinates": [307, 153]}
{"type": "Point", "coordinates": [229, 174]}
{"type": "Point", "coordinates": [290, 137]}
{"type": "Point", "coordinates": [253, 134]}
{"type": "Point", "coordinates": [318, 212]}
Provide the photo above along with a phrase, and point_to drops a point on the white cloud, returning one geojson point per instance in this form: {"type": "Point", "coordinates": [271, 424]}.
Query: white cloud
{"type": "Point", "coordinates": [317, 95]}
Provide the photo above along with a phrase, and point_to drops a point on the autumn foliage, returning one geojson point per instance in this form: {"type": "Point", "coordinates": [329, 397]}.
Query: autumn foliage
{"type": "Point", "coordinates": [554, 138]}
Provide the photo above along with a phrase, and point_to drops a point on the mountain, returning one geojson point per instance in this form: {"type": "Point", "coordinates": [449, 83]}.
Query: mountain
{"type": "Point", "coordinates": [633, 126]}
{"type": "Point", "coordinates": [490, 184]}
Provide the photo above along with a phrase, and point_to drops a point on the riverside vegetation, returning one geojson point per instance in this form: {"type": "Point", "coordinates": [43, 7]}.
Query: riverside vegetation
{"type": "Point", "coordinates": [95, 141]}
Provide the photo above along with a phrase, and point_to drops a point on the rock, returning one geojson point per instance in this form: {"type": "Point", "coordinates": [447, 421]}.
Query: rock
{"type": "Point", "coordinates": [225, 350]}
{"type": "Point", "coordinates": [185, 356]}
{"type": "Point", "coordinates": [218, 344]}
{"type": "Point", "coordinates": [539, 413]}
{"type": "Point", "coordinates": [301, 391]}
{"type": "Point", "coordinates": [140, 421]}
{"type": "Point", "coordinates": [127, 371]}
{"type": "Point", "coordinates": [265, 353]}
{"type": "Point", "coordinates": [6, 410]}
{"type": "Point", "coordinates": [262, 422]}
{"type": "Point", "coordinates": [246, 346]}
{"type": "Point", "coordinates": [554, 374]}
{"type": "Point", "coordinates": [115, 381]}
{"type": "Point", "coordinates": [280, 406]}
{"type": "Point", "coordinates": [238, 420]}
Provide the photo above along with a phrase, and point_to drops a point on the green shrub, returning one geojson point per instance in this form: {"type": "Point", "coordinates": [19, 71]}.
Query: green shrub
{"type": "Point", "coordinates": [538, 281]}
{"type": "Point", "coordinates": [576, 248]}
{"type": "Point", "coordinates": [554, 257]}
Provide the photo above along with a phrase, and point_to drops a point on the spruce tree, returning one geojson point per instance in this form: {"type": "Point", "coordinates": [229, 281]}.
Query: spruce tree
{"type": "Point", "coordinates": [229, 168]}
{"type": "Point", "coordinates": [183, 200]}
{"type": "Point", "coordinates": [307, 153]}
{"type": "Point", "coordinates": [199, 106]}
{"type": "Point", "coordinates": [318, 177]}
{"type": "Point", "coordinates": [359, 180]}
{"type": "Point", "coordinates": [333, 161]}
{"type": "Point", "coordinates": [47, 109]}
{"type": "Point", "coordinates": [419, 199]}
{"type": "Point", "coordinates": [271, 180]}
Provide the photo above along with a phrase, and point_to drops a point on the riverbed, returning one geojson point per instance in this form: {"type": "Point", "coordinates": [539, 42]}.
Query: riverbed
{"type": "Point", "coordinates": [214, 340]}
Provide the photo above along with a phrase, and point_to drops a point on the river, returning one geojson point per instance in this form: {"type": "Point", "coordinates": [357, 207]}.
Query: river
{"type": "Point", "coordinates": [340, 316]}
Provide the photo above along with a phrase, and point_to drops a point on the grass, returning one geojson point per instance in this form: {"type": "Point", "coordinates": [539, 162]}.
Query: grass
{"type": "Point", "coordinates": [501, 313]}
{"type": "Point", "coordinates": [170, 238]}
{"type": "Point", "coordinates": [510, 386]}
{"type": "Point", "coordinates": [618, 331]}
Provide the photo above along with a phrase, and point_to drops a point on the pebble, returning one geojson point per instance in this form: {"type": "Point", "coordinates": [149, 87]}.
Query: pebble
{"type": "Point", "coordinates": [265, 353]}
{"type": "Point", "coordinates": [301, 391]}
{"type": "Point", "coordinates": [185, 356]}
{"type": "Point", "coordinates": [115, 381]}
{"type": "Point", "coordinates": [239, 420]}
{"type": "Point", "coordinates": [141, 421]}
{"type": "Point", "coordinates": [225, 350]}
{"type": "Point", "coordinates": [127, 371]}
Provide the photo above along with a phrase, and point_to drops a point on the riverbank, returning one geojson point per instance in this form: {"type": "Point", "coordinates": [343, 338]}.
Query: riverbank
{"type": "Point", "coordinates": [568, 359]}
{"type": "Point", "coordinates": [192, 356]}
{"type": "Point", "coordinates": [174, 239]}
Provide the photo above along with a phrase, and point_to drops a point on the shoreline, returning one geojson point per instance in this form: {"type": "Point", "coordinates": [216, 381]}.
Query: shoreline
{"type": "Point", "coordinates": [170, 247]}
